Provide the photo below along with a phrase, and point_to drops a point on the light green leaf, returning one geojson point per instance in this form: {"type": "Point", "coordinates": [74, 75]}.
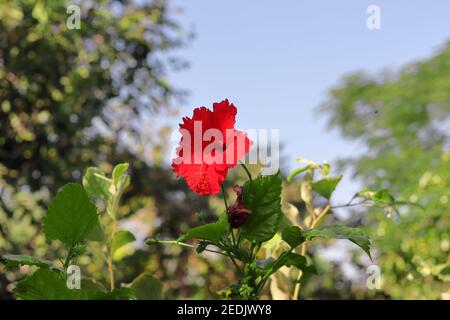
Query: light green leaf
{"type": "Point", "coordinates": [96, 183]}
{"type": "Point", "coordinates": [118, 172]}
{"type": "Point", "coordinates": [325, 169]}
{"type": "Point", "coordinates": [336, 231]}
{"type": "Point", "coordinates": [293, 236]}
{"type": "Point", "coordinates": [211, 231]}
{"type": "Point", "coordinates": [383, 197]}
{"type": "Point", "coordinates": [262, 197]}
{"type": "Point", "coordinates": [14, 260]}
{"type": "Point", "coordinates": [147, 287]}
{"type": "Point", "coordinates": [71, 215]}
{"type": "Point", "coordinates": [121, 238]}
{"type": "Point", "coordinates": [326, 186]}
{"type": "Point", "coordinates": [298, 171]}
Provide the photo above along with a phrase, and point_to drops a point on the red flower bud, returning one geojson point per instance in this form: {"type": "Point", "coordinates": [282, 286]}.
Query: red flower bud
{"type": "Point", "coordinates": [238, 213]}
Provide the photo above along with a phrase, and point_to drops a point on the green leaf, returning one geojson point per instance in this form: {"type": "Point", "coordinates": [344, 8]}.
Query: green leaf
{"type": "Point", "coordinates": [262, 197]}
{"type": "Point", "coordinates": [45, 284]}
{"type": "Point", "coordinates": [383, 197]}
{"type": "Point", "coordinates": [121, 238]}
{"type": "Point", "coordinates": [118, 172]}
{"type": "Point", "coordinates": [14, 260]}
{"type": "Point", "coordinates": [211, 231]}
{"type": "Point", "coordinates": [122, 293]}
{"type": "Point", "coordinates": [325, 169]}
{"type": "Point", "coordinates": [97, 233]}
{"type": "Point", "coordinates": [287, 259]}
{"type": "Point", "coordinates": [336, 231]}
{"type": "Point", "coordinates": [147, 287]}
{"type": "Point", "coordinates": [96, 183]}
{"type": "Point", "coordinates": [326, 186]}
{"type": "Point", "coordinates": [298, 171]}
{"type": "Point", "coordinates": [293, 259]}
{"type": "Point", "coordinates": [293, 236]}
{"type": "Point", "coordinates": [71, 215]}
{"type": "Point", "coordinates": [91, 285]}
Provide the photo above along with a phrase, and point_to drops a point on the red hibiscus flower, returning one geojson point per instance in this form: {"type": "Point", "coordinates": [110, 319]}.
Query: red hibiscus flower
{"type": "Point", "coordinates": [209, 146]}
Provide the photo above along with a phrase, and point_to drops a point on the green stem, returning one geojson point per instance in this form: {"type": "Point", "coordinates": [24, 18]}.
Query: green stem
{"type": "Point", "coordinates": [247, 171]}
{"type": "Point", "coordinates": [224, 197]}
{"type": "Point", "coordinates": [155, 241]}
{"type": "Point", "coordinates": [238, 238]}
{"type": "Point", "coordinates": [68, 258]}
{"type": "Point", "coordinates": [234, 262]}
{"type": "Point", "coordinates": [233, 239]}
{"type": "Point", "coordinates": [183, 244]}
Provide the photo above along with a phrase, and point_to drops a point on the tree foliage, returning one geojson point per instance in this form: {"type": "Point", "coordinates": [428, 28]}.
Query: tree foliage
{"type": "Point", "coordinates": [403, 120]}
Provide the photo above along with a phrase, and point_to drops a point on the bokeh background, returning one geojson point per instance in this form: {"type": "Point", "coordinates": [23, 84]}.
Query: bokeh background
{"type": "Point", "coordinates": [375, 103]}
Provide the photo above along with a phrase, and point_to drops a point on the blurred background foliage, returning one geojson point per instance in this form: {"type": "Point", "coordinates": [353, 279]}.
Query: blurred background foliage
{"type": "Point", "coordinates": [402, 119]}
{"type": "Point", "coordinates": [70, 99]}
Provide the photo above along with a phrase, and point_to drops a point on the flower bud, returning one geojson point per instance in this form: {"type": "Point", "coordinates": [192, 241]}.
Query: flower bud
{"type": "Point", "coordinates": [238, 213]}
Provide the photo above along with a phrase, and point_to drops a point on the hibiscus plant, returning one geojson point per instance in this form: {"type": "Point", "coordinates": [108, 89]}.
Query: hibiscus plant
{"type": "Point", "coordinates": [256, 216]}
{"type": "Point", "coordinates": [84, 213]}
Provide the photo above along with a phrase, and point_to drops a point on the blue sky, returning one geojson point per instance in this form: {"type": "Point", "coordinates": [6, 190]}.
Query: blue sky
{"type": "Point", "coordinates": [276, 60]}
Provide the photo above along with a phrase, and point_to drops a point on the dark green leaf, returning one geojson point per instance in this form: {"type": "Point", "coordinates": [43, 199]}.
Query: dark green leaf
{"type": "Point", "coordinates": [287, 259]}
{"type": "Point", "coordinates": [122, 293]}
{"type": "Point", "coordinates": [293, 236]}
{"type": "Point", "coordinates": [97, 234]}
{"type": "Point", "coordinates": [326, 186]}
{"type": "Point", "coordinates": [14, 260]}
{"type": "Point", "coordinates": [45, 284]}
{"type": "Point", "coordinates": [294, 259]}
{"type": "Point", "coordinates": [147, 287]}
{"type": "Point", "coordinates": [336, 231]}
{"type": "Point", "coordinates": [211, 231]}
{"type": "Point", "coordinates": [71, 215]}
{"type": "Point", "coordinates": [262, 196]}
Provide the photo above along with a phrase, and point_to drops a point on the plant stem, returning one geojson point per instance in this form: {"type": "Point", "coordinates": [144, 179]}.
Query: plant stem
{"type": "Point", "coordinates": [224, 197]}
{"type": "Point", "coordinates": [349, 205]}
{"type": "Point", "coordinates": [321, 215]}
{"type": "Point", "coordinates": [234, 262]}
{"type": "Point", "coordinates": [183, 244]}
{"type": "Point", "coordinates": [238, 238]}
{"type": "Point", "coordinates": [233, 239]}
{"type": "Point", "coordinates": [303, 249]}
{"type": "Point", "coordinates": [247, 171]}
{"type": "Point", "coordinates": [114, 208]}
{"type": "Point", "coordinates": [68, 258]}
{"type": "Point", "coordinates": [110, 262]}
{"type": "Point", "coordinates": [111, 272]}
